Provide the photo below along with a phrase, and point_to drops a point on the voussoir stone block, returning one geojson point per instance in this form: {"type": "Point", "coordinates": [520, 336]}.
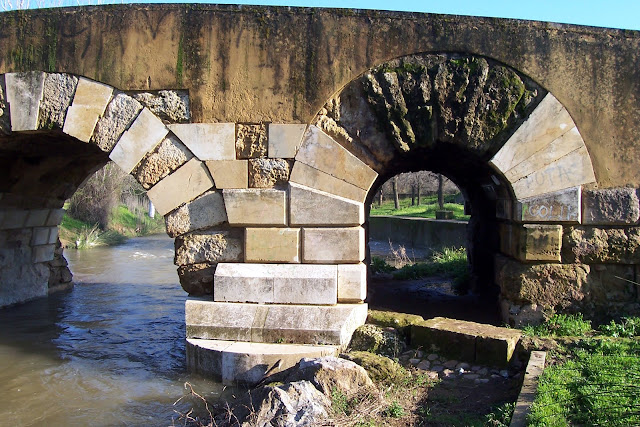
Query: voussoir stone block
{"type": "Point", "coordinates": [24, 94]}
{"type": "Point", "coordinates": [168, 156]}
{"type": "Point", "coordinates": [208, 141]}
{"type": "Point", "coordinates": [272, 245]}
{"type": "Point", "coordinates": [613, 206]}
{"type": "Point", "coordinates": [276, 283]}
{"type": "Point", "coordinates": [256, 206]}
{"type": "Point", "coordinates": [185, 184]}
{"type": "Point", "coordinates": [37, 218]}
{"type": "Point", "coordinates": [333, 245]}
{"type": "Point", "coordinates": [55, 217]}
{"type": "Point", "coordinates": [229, 173]}
{"type": "Point", "coordinates": [274, 323]}
{"type": "Point", "coordinates": [314, 207]}
{"type": "Point", "coordinates": [171, 106]}
{"type": "Point", "coordinates": [212, 246]}
{"type": "Point", "coordinates": [145, 133]}
{"type": "Point", "coordinates": [203, 212]}
{"type": "Point", "coordinates": [561, 206]}
{"type": "Point", "coordinates": [197, 279]}
{"type": "Point", "coordinates": [311, 177]}
{"type": "Point", "coordinates": [120, 112]}
{"type": "Point", "coordinates": [58, 92]}
{"type": "Point", "coordinates": [352, 282]}
{"type": "Point", "coordinates": [285, 139]}
{"type": "Point", "coordinates": [321, 152]}
{"type": "Point", "coordinates": [89, 103]}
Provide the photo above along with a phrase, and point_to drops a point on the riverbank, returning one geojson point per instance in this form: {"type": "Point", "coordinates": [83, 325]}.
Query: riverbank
{"type": "Point", "coordinates": [123, 224]}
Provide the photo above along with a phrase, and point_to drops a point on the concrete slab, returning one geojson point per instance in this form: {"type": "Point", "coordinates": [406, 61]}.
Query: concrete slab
{"type": "Point", "coordinates": [535, 368]}
{"type": "Point", "coordinates": [234, 362]}
{"type": "Point", "coordinates": [466, 341]}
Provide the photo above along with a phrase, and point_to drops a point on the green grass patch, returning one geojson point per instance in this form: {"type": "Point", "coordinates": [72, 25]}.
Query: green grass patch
{"type": "Point", "coordinates": [426, 209]}
{"type": "Point", "coordinates": [123, 223]}
{"type": "Point", "coordinates": [450, 262]}
{"type": "Point", "coordinates": [597, 385]}
{"type": "Point", "coordinates": [561, 325]}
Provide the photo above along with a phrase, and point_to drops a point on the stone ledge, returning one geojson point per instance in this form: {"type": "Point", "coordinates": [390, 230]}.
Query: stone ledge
{"type": "Point", "coordinates": [273, 323]}
{"type": "Point", "coordinates": [234, 362]}
{"type": "Point", "coordinates": [468, 341]}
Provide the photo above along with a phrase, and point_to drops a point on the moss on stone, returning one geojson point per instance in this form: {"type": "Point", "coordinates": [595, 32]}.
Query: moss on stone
{"type": "Point", "coordinates": [381, 369]}
{"type": "Point", "coordinates": [393, 319]}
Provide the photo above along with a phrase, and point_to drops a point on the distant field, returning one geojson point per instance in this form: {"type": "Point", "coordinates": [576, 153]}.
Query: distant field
{"type": "Point", "coordinates": [426, 209]}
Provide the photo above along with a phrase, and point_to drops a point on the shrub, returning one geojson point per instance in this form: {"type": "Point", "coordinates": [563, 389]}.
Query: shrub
{"type": "Point", "coordinates": [627, 328]}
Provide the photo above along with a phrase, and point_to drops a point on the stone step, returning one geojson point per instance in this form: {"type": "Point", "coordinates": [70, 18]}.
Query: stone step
{"type": "Point", "coordinates": [236, 362]}
{"type": "Point", "coordinates": [466, 341]}
{"type": "Point", "coordinates": [273, 323]}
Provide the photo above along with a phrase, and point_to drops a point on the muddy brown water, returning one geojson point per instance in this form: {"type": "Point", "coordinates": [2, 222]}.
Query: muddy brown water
{"type": "Point", "coordinates": [111, 350]}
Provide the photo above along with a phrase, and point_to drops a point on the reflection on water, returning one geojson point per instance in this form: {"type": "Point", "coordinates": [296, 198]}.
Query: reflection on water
{"type": "Point", "coordinates": [109, 352]}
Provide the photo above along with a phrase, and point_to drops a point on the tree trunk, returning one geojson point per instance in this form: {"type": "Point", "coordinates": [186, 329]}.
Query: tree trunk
{"type": "Point", "coordinates": [394, 185]}
{"type": "Point", "coordinates": [418, 185]}
{"type": "Point", "coordinates": [380, 197]}
{"type": "Point", "coordinates": [440, 191]}
{"type": "Point", "coordinates": [413, 195]}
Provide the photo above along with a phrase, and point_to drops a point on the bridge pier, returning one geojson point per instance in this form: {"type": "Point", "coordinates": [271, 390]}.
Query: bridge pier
{"type": "Point", "coordinates": [266, 189]}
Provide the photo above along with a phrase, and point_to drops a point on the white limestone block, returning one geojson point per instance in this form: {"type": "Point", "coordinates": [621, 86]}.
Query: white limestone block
{"type": "Point", "coordinates": [272, 245]}
{"type": "Point", "coordinates": [352, 282]}
{"type": "Point", "coordinates": [145, 133]}
{"type": "Point", "coordinates": [89, 102]}
{"type": "Point", "coordinates": [313, 178]}
{"type": "Point", "coordinates": [24, 93]}
{"type": "Point", "coordinates": [572, 170]}
{"type": "Point", "coordinates": [333, 245]}
{"type": "Point", "coordinates": [53, 235]}
{"type": "Point", "coordinates": [205, 211]}
{"type": "Point", "coordinates": [256, 206]}
{"type": "Point", "coordinates": [276, 283]}
{"type": "Point", "coordinates": [556, 149]}
{"type": "Point", "coordinates": [547, 122]}
{"type": "Point", "coordinates": [14, 218]}
{"type": "Point", "coordinates": [300, 324]}
{"type": "Point", "coordinates": [208, 141]}
{"type": "Point", "coordinates": [320, 151]}
{"type": "Point", "coordinates": [229, 173]}
{"type": "Point", "coordinates": [185, 184]}
{"type": "Point", "coordinates": [285, 140]}
{"type": "Point", "coordinates": [314, 207]}
{"type": "Point", "coordinates": [561, 206]}
{"type": "Point", "coordinates": [55, 217]}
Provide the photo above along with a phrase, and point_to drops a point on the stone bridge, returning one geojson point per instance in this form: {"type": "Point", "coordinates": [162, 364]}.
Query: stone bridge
{"type": "Point", "coordinates": [262, 134]}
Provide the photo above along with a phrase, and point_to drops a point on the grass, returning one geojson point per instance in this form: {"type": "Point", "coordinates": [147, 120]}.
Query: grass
{"type": "Point", "coordinates": [561, 325]}
{"type": "Point", "coordinates": [427, 208]}
{"type": "Point", "coordinates": [122, 224]}
{"type": "Point", "coordinates": [593, 379]}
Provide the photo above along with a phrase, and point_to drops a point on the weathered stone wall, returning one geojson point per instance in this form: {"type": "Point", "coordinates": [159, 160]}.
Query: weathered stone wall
{"type": "Point", "coordinates": [265, 64]}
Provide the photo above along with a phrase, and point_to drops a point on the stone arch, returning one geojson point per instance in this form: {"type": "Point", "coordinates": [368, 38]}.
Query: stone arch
{"type": "Point", "coordinates": [56, 129]}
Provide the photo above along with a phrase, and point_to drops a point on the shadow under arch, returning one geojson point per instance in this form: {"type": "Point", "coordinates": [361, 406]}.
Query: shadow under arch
{"type": "Point", "coordinates": [497, 134]}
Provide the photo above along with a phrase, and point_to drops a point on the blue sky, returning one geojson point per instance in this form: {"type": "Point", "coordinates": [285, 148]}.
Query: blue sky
{"type": "Point", "coordinates": [601, 13]}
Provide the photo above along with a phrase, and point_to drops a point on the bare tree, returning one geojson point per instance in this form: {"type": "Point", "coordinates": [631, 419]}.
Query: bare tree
{"type": "Point", "coordinates": [396, 202]}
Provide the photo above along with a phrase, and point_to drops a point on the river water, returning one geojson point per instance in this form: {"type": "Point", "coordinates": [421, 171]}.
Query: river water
{"type": "Point", "coordinates": [108, 352]}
